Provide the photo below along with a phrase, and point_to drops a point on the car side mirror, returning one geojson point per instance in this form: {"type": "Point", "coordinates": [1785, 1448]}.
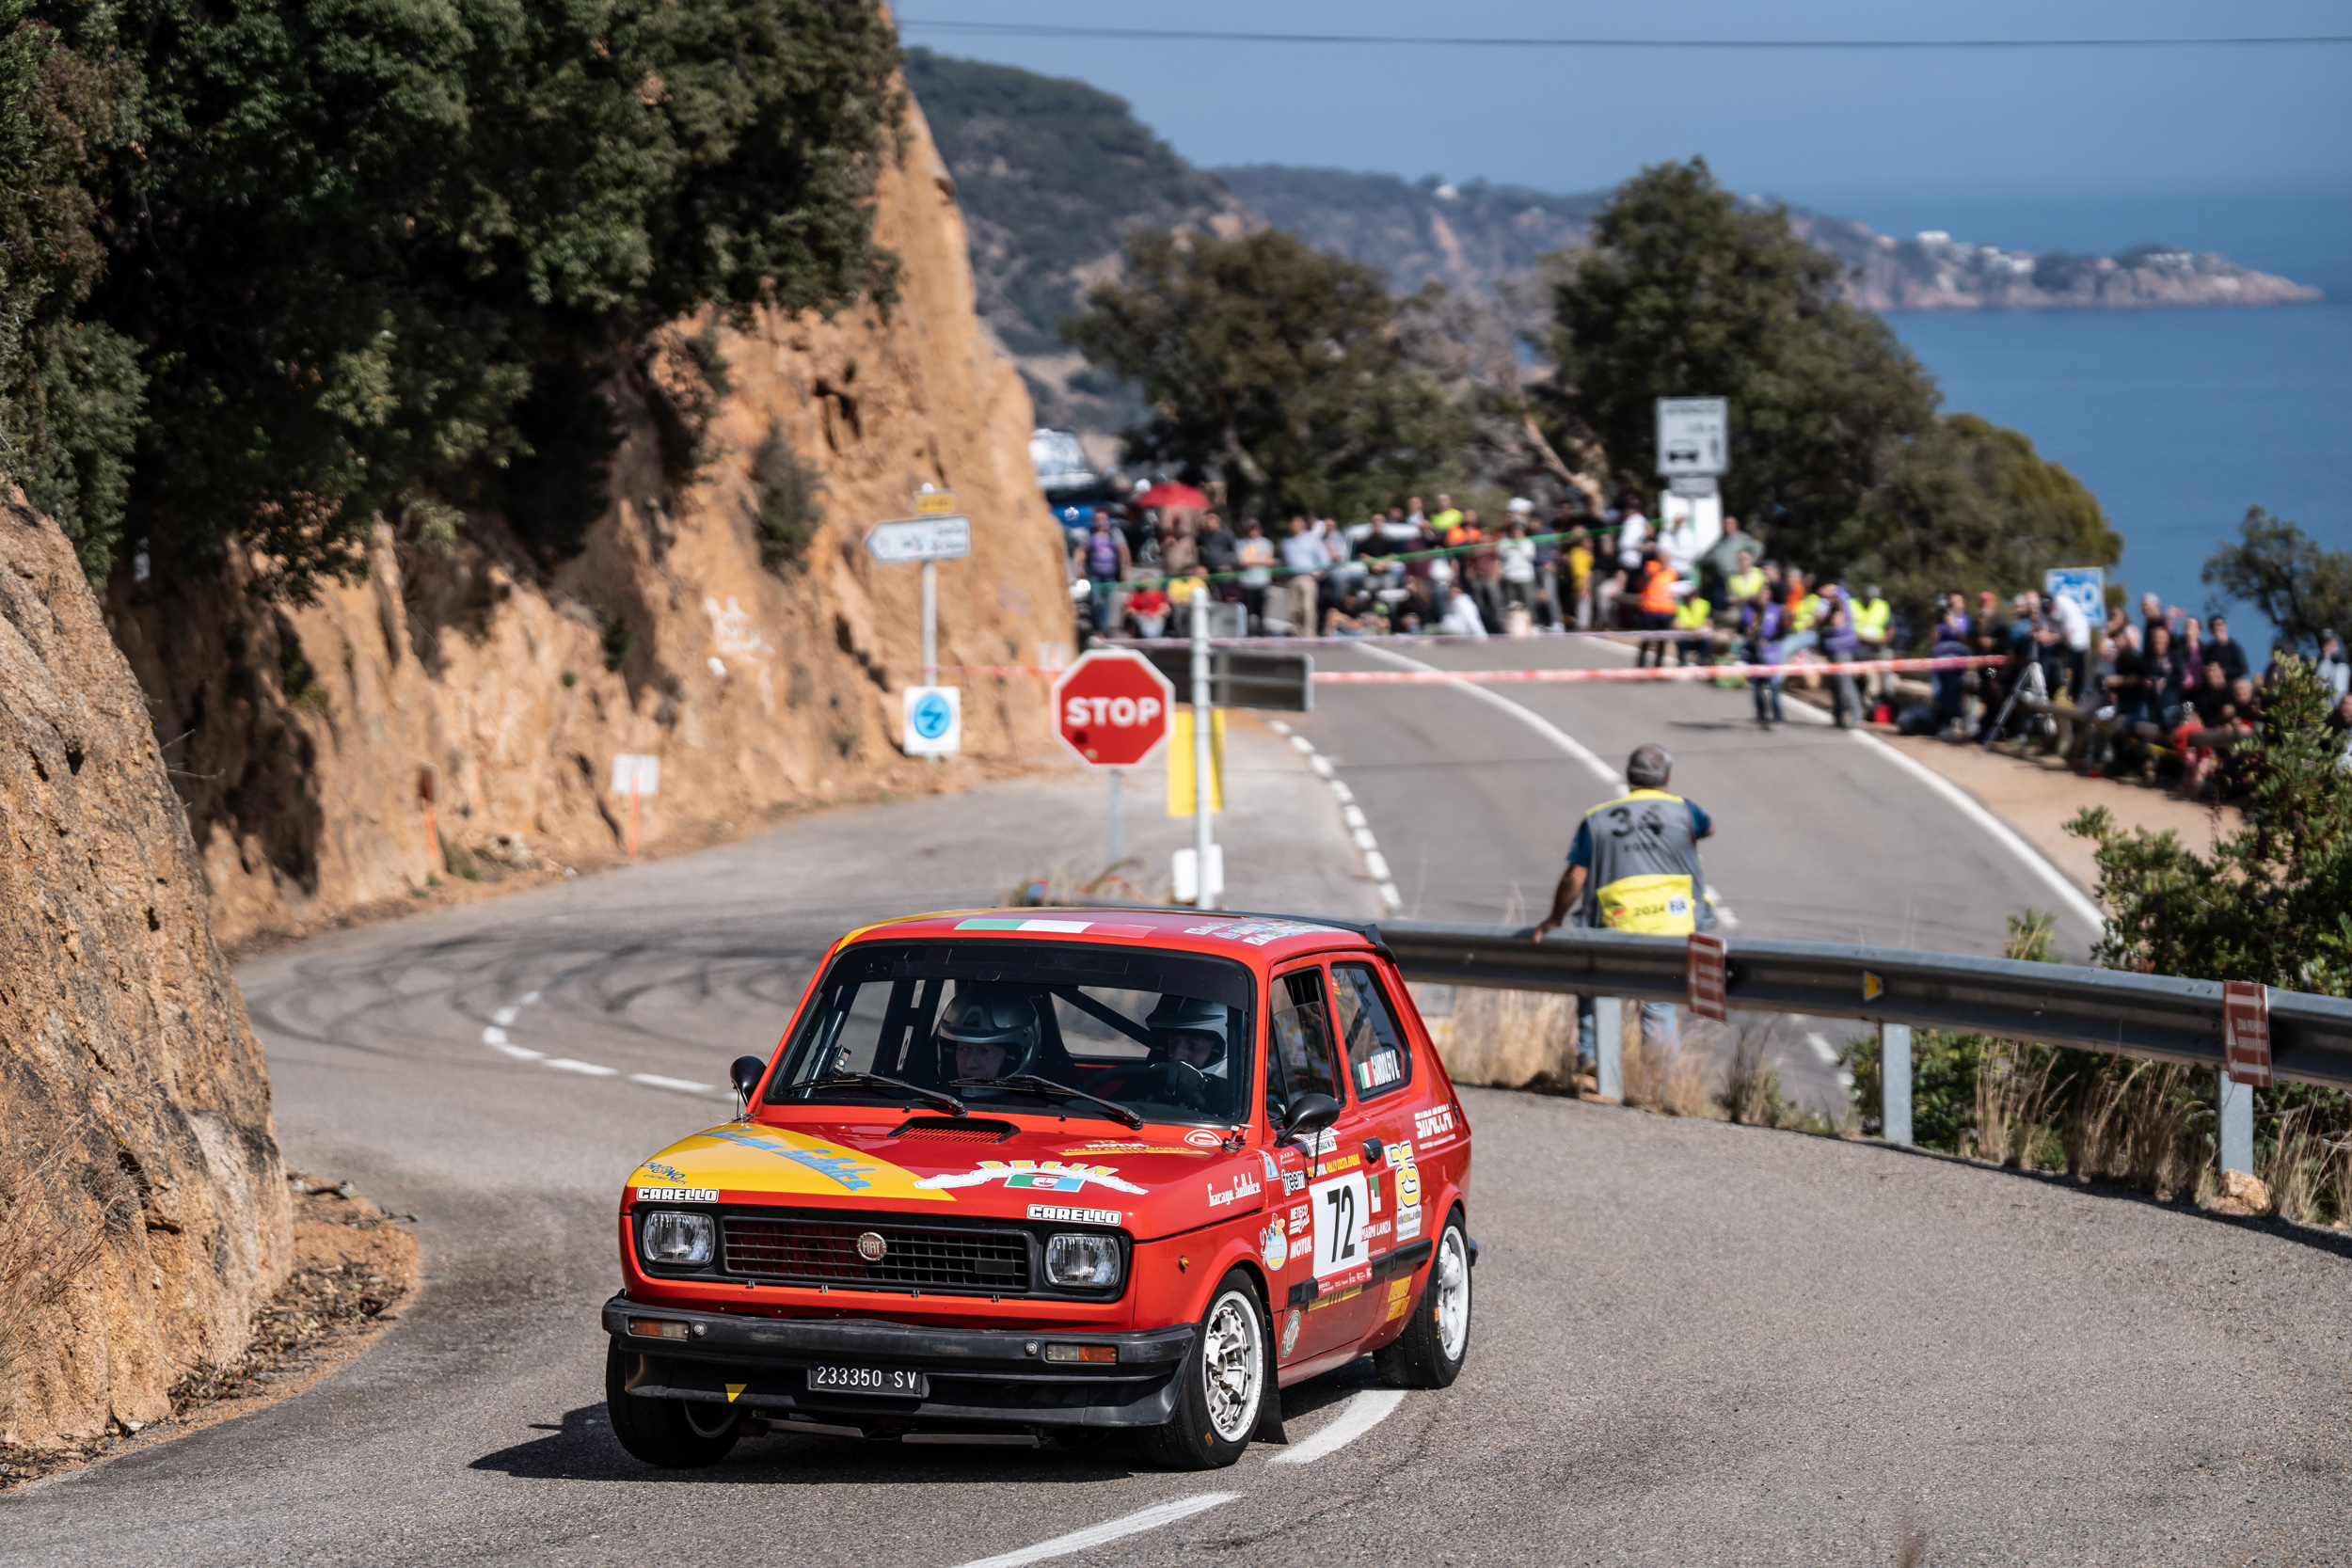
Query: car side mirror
{"type": "Point", "coordinates": [746, 1072]}
{"type": "Point", "coordinates": [1308, 1113]}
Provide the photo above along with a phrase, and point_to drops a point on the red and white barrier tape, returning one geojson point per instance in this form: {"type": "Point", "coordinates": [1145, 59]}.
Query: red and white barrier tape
{"type": "Point", "coordinates": [1496, 677]}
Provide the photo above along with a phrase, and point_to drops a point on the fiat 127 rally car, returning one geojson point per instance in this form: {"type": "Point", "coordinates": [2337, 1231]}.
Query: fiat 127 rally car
{"type": "Point", "coordinates": [1039, 1171]}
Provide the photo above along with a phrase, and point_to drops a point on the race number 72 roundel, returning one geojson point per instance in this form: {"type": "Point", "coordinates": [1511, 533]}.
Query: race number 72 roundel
{"type": "Point", "coordinates": [1111, 707]}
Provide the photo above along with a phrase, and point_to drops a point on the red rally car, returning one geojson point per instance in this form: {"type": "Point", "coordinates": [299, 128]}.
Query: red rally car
{"type": "Point", "coordinates": [1032, 1171]}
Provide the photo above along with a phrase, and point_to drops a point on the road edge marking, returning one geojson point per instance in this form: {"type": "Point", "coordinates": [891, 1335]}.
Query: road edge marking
{"type": "Point", "coordinates": [1368, 1409]}
{"type": "Point", "coordinates": [1115, 1529]}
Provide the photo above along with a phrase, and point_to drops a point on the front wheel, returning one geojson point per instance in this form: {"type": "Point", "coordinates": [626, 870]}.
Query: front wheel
{"type": "Point", "coordinates": [676, 1435]}
{"type": "Point", "coordinates": [1223, 1384]}
{"type": "Point", "coordinates": [1430, 1353]}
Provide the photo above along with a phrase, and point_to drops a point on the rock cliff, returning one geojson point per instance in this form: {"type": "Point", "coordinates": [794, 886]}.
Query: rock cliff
{"type": "Point", "coordinates": [462, 693]}
{"type": "Point", "coordinates": [143, 1212]}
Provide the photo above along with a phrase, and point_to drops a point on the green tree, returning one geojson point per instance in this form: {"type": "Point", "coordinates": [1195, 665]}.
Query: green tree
{"type": "Point", "coordinates": [2273, 901]}
{"type": "Point", "coordinates": [1273, 363]}
{"type": "Point", "coordinates": [1968, 503]}
{"type": "Point", "coordinates": [2276, 567]}
{"type": "Point", "coordinates": [69, 390]}
{"type": "Point", "coordinates": [380, 258]}
{"type": "Point", "coordinates": [1687, 292]}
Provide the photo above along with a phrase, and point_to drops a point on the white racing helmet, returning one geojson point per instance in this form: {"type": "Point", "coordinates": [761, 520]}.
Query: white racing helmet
{"type": "Point", "coordinates": [994, 1014]}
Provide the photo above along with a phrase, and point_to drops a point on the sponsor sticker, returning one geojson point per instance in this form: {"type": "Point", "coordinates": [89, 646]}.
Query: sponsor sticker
{"type": "Point", "coordinates": [1293, 1181]}
{"type": "Point", "coordinates": [1400, 1296]}
{"type": "Point", "coordinates": [1074, 1216]}
{"type": "Point", "coordinates": [1272, 1171]}
{"type": "Point", "coordinates": [1379, 1229]}
{"type": "Point", "coordinates": [678, 1195]}
{"type": "Point", "coordinates": [1045, 1176]}
{"type": "Point", "coordinates": [677, 1176]}
{"type": "Point", "coordinates": [1290, 1330]}
{"type": "Point", "coordinates": [1433, 1123]}
{"type": "Point", "coordinates": [1257, 933]}
{"type": "Point", "coordinates": [1274, 1247]}
{"type": "Point", "coordinates": [1107, 1146]}
{"type": "Point", "coordinates": [1202, 1137]}
{"type": "Point", "coordinates": [1342, 1162]}
{"type": "Point", "coordinates": [1408, 1186]}
{"type": "Point", "coordinates": [1302, 1214]}
{"type": "Point", "coordinates": [1408, 1223]}
{"type": "Point", "coordinates": [1352, 1281]}
{"type": "Point", "coordinates": [1245, 1185]}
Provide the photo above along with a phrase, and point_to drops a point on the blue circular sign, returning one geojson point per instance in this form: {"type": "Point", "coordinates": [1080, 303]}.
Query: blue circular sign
{"type": "Point", "coordinates": [932, 715]}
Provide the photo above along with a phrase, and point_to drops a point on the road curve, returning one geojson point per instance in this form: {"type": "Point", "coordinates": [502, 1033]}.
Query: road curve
{"type": "Point", "coordinates": [1693, 1343]}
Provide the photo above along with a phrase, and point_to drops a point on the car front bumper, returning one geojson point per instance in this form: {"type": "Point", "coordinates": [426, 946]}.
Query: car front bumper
{"type": "Point", "coordinates": [979, 1379]}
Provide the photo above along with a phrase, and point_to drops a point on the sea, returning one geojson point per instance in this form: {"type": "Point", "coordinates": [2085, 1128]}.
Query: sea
{"type": "Point", "coordinates": [2177, 420]}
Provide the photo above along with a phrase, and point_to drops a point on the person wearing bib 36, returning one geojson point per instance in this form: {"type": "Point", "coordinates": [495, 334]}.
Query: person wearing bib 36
{"type": "Point", "coordinates": [1635, 868]}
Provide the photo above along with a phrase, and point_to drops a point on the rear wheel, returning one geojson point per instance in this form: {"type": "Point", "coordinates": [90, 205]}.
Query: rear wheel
{"type": "Point", "coordinates": [1436, 1341]}
{"type": "Point", "coordinates": [676, 1435]}
{"type": "Point", "coordinates": [1223, 1385]}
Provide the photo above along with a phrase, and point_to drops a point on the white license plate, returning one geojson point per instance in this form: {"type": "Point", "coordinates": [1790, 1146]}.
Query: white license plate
{"type": "Point", "coordinates": [893, 1381]}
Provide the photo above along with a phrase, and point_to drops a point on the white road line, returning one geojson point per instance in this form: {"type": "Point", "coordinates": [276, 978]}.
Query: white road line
{"type": "Point", "coordinates": [1375, 865]}
{"type": "Point", "coordinates": [1117, 1529]}
{"type": "Point", "coordinates": [684, 1085]}
{"type": "Point", "coordinates": [1966, 804]}
{"type": "Point", "coordinates": [1542, 726]}
{"type": "Point", "coordinates": [493, 1035]}
{"type": "Point", "coordinates": [529, 997]}
{"type": "Point", "coordinates": [1367, 1410]}
{"type": "Point", "coordinates": [564, 1064]}
{"type": "Point", "coordinates": [504, 1016]}
{"type": "Point", "coordinates": [520, 1052]}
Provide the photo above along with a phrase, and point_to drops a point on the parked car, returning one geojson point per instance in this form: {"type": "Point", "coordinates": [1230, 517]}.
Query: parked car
{"type": "Point", "coordinates": [1051, 1172]}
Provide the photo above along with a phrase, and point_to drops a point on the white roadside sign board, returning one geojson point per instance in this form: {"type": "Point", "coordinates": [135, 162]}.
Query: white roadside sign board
{"type": "Point", "coordinates": [633, 774]}
{"type": "Point", "coordinates": [947, 538]}
{"type": "Point", "coordinates": [934, 721]}
{"type": "Point", "coordinates": [1693, 437]}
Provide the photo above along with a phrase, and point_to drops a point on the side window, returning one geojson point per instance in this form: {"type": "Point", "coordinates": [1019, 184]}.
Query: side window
{"type": "Point", "coordinates": [1299, 1059]}
{"type": "Point", "coordinates": [1377, 1058]}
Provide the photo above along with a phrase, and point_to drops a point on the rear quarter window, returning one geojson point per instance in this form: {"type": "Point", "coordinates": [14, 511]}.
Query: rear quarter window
{"type": "Point", "coordinates": [1378, 1060]}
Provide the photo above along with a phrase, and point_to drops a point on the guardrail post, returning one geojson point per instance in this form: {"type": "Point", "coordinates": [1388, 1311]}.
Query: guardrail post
{"type": "Point", "coordinates": [1895, 1080]}
{"type": "Point", "coordinates": [1608, 1046]}
{"type": "Point", "coordinates": [2237, 1125]}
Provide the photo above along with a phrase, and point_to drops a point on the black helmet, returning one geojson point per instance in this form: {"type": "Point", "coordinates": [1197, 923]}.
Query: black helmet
{"type": "Point", "coordinates": [1188, 1015]}
{"type": "Point", "coordinates": [995, 1014]}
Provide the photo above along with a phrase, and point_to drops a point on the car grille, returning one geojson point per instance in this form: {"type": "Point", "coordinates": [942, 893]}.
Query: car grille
{"type": "Point", "coordinates": [820, 1252]}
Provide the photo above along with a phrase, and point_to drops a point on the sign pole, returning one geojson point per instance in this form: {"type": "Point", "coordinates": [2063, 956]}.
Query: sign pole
{"type": "Point", "coordinates": [1203, 717]}
{"type": "Point", "coordinates": [930, 623]}
{"type": "Point", "coordinates": [1119, 850]}
{"type": "Point", "coordinates": [632, 814]}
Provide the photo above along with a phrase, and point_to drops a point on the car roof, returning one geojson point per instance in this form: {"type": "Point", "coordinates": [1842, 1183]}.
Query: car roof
{"type": "Point", "coordinates": [1231, 933]}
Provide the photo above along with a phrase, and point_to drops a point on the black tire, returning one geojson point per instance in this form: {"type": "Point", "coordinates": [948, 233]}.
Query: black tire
{"type": "Point", "coordinates": [1223, 1386]}
{"type": "Point", "coordinates": [1422, 1357]}
{"type": "Point", "coordinates": [676, 1435]}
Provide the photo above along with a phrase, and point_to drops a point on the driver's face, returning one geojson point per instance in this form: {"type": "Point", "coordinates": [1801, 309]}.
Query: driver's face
{"type": "Point", "coordinates": [978, 1061]}
{"type": "Point", "coordinates": [1192, 1050]}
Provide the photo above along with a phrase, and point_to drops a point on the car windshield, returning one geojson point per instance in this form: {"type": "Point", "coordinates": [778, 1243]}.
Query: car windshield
{"type": "Point", "coordinates": [1016, 1025]}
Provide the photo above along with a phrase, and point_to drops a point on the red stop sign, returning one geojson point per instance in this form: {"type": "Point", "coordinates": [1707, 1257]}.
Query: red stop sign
{"type": "Point", "coordinates": [1111, 707]}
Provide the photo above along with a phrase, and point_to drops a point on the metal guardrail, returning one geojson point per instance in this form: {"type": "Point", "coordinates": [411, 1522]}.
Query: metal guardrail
{"type": "Point", "coordinates": [2095, 1009]}
{"type": "Point", "coordinates": [1898, 988]}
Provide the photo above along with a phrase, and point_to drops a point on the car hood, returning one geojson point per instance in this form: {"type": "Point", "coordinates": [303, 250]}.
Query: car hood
{"type": "Point", "coordinates": [1151, 1184]}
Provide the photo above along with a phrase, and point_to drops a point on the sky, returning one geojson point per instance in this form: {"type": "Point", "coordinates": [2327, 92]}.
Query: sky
{"type": "Point", "coordinates": [2100, 143]}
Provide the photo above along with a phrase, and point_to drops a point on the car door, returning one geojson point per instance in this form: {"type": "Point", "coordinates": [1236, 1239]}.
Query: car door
{"type": "Point", "coordinates": [1337, 1201]}
{"type": "Point", "coordinates": [1384, 1089]}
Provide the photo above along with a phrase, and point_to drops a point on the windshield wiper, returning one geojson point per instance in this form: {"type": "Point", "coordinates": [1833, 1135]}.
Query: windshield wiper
{"type": "Point", "coordinates": [876, 1081]}
{"type": "Point", "coordinates": [1035, 1084]}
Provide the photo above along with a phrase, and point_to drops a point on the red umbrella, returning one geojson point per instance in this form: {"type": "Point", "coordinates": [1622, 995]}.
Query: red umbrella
{"type": "Point", "coordinates": [1169, 494]}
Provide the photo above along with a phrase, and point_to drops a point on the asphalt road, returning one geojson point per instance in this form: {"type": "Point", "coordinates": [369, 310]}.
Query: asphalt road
{"type": "Point", "coordinates": [1820, 834]}
{"type": "Point", "coordinates": [1693, 1343]}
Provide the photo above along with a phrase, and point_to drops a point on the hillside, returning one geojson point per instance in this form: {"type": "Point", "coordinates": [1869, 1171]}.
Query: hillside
{"type": "Point", "coordinates": [1051, 173]}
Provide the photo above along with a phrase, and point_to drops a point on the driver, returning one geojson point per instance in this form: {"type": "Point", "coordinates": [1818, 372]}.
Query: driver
{"type": "Point", "coordinates": [993, 1030]}
{"type": "Point", "coordinates": [1188, 1051]}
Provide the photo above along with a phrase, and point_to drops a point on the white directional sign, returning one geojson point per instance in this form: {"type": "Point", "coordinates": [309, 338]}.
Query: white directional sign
{"type": "Point", "coordinates": [947, 538]}
{"type": "Point", "coordinates": [1693, 437]}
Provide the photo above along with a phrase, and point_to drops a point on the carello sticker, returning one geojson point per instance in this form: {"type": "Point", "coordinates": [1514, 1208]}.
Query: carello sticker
{"type": "Point", "coordinates": [678, 1195]}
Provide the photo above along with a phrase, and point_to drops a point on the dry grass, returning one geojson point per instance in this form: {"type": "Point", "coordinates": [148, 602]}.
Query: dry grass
{"type": "Point", "coordinates": [1510, 1038]}
{"type": "Point", "coordinates": [1752, 1083]}
{"type": "Point", "coordinates": [2310, 1176]}
{"type": "Point", "coordinates": [2012, 1085]}
{"type": "Point", "coordinates": [2140, 1127]}
{"type": "Point", "coordinates": [1669, 1076]}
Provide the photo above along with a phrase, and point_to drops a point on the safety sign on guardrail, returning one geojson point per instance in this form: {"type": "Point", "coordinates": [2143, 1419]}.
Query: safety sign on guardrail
{"type": "Point", "coordinates": [2246, 1031]}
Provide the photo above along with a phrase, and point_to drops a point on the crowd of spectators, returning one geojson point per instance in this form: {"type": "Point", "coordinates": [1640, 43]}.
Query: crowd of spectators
{"type": "Point", "coordinates": [2165, 696]}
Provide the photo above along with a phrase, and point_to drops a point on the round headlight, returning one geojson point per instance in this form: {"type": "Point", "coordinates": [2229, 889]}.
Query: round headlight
{"type": "Point", "coordinates": [675, 1239]}
{"type": "Point", "coordinates": [1082, 1263]}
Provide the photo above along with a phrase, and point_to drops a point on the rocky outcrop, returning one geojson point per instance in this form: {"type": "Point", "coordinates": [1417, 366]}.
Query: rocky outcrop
{"type": "Point", "coordinates": [462, 692]}
{"type": "Point", "coordinates": [142, 1205]}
